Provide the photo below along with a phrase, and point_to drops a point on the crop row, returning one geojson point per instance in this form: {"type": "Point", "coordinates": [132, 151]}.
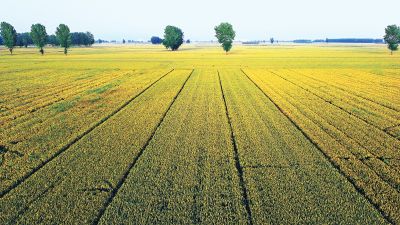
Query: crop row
{"type": "Point", "coordinates": [74, 187]}
{"type": "Point", "coordinates": [288, 178]}
{"type": "Point", "coordinates": [187, 173]}
{"type": "Point", "coordinates": [371, 112]}
{"type": "Point", "coordinates": [366, 155]}
{"type": "Point", "coordinates": [36, 138]}
{"type": "Point", "coordinates": [378, 89]}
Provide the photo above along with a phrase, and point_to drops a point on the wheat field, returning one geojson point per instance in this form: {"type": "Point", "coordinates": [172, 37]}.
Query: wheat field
{"type": "Point", "coordinates": [136, 134]}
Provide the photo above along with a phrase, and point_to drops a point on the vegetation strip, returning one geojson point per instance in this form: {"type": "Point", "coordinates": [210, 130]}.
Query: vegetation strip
{"type": "Point", "coordinates": [239, 168]}
{"type": "Point", "coordinates": [64, 148]}
{"type": "Point", "coordinates": [115, 190]}
{"type": "Point", "coordinates": [333, 163]}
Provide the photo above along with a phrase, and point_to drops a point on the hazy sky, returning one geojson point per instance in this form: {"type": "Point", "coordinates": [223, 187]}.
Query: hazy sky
{"type": "Point", "coordinates": [252, 19]}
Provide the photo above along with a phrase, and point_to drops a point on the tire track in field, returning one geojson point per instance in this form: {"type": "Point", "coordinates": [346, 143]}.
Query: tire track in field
{"type": "Point", "coordinates": [333, 104]}
{"type": "Point", "coordinates": [121, 181]}
{"type": "Point", "coordinates": [342, 89]}
{"type": "Point", "coordinates": [238, 165]}
{"type": "Point", "coordinates": [331, 161]}
{"type": "Point", "coordinates": [80, 136]}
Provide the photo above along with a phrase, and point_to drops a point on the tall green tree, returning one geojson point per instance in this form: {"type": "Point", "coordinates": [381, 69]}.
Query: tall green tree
{"type": "Point", "coordinates": [39, 36]}
{"type": "Point", "coordinates": [9, 35]}
{"type": "Point", "coordinates": [392, 37]}
{"type": "Point", "coordinates": [225, 35]}
{"type": "Point", "coordinates": [64, 37]}
{"type": "Point", "coordinates": [173, 38]}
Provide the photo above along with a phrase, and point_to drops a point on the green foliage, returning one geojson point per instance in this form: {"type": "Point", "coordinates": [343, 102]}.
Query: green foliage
{"type": "Point", "coordinates": [225, 35]}
{"type": "Point", "coordinates": [52, 40]}
{"type": "Point", "coordinates": [24, 39]}
{"type": "Point", "coordinates": [9, 35]}
{"type": "Point", "coordinates": [63, 106]}
{"type": "Point", "coordinates": [64, 37]}
{"type": "Point", "coordinates": [156, 40]}
{"type": "Point", "coordinates": [100, 90]}
{"type": "Point", "coordinates": [392, 37]}
{"type": "Point", "coordinates": [173, 38]}
{"type": "Point", "coordinates": [39, 36]}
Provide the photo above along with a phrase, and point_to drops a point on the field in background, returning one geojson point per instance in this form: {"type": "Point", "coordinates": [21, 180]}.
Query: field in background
{"type": "Point", "coordinates": [138, 134]}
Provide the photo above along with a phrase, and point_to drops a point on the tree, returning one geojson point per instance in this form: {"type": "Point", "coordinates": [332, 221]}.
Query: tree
{"type": "Point", "coordinates": [9, 35]}
{"type": "Point", "coordinates": [156, 40]}
{"type": "Point", "coordinates": [173, 38]}
{"type": "Point", "coordinates": [64, 37]}
{"type": "Point", "coordinates": [39, 36]}
{"type": "Point", "coordinates": [188, 41]}
{"type": "Point", "coordinates": [89, 39]}
{"type": "Point", "coordinates": [392, 37]}
{"type": "Point", "coordinates": [225, 35]}
{"type": "Point", "coordinates": [272, 40]}
{"type": "Point", "coordinates": [123, 41]}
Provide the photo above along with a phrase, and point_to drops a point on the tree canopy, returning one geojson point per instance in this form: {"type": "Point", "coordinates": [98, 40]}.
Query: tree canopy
{"type": "Point", "coordinates": [156, 40]}
{"type": "Point", "coordinates": [82, 38]}
{"type": "Point", "coordinates": [225, 35]}
{"type": "Point", "coordinates": [52, 40]}
{"type": "Point", "coordinates": [392, 37]}
{"type": "Point", "coordinates": [173, 38]}
{"type": "Point", "coordinates": [64, 37]}
{"type": "Point", "coordinates": [39, 36]}
{"type": "Point", "coordinates": [24, 39]}
{"type": "Point", "coordinates": [9, 35]}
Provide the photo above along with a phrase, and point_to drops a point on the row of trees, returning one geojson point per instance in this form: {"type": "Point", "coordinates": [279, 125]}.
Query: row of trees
{"type": "Point", "coordinates": [173, 37]}
{"type": "Point", "coordinates": [38, 36]}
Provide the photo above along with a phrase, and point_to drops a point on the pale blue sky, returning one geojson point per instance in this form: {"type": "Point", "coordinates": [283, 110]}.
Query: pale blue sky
{"type": "Point", "coordinates": [252, 19]}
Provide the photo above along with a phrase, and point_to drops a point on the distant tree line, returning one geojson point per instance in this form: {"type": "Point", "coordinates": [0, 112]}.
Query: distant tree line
{"type": "Point", "coordinates": [82, 38]}
{"type": "Point", "coordinates": [354, 40]}
{"type": "Point", "coordinates": [173, 38]}
{"type": "Point", "coordinates": [38, 37]}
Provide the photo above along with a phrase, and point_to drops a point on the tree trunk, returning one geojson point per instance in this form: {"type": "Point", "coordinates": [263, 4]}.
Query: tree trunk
{"type": "Point", "coordinates": [11, 51]}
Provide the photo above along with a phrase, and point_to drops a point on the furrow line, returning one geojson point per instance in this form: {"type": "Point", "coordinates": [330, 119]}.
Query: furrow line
{"type": "Point", "coordinates": [239, 168]}
{"type": "Point", "coordinates": [115, 190]}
